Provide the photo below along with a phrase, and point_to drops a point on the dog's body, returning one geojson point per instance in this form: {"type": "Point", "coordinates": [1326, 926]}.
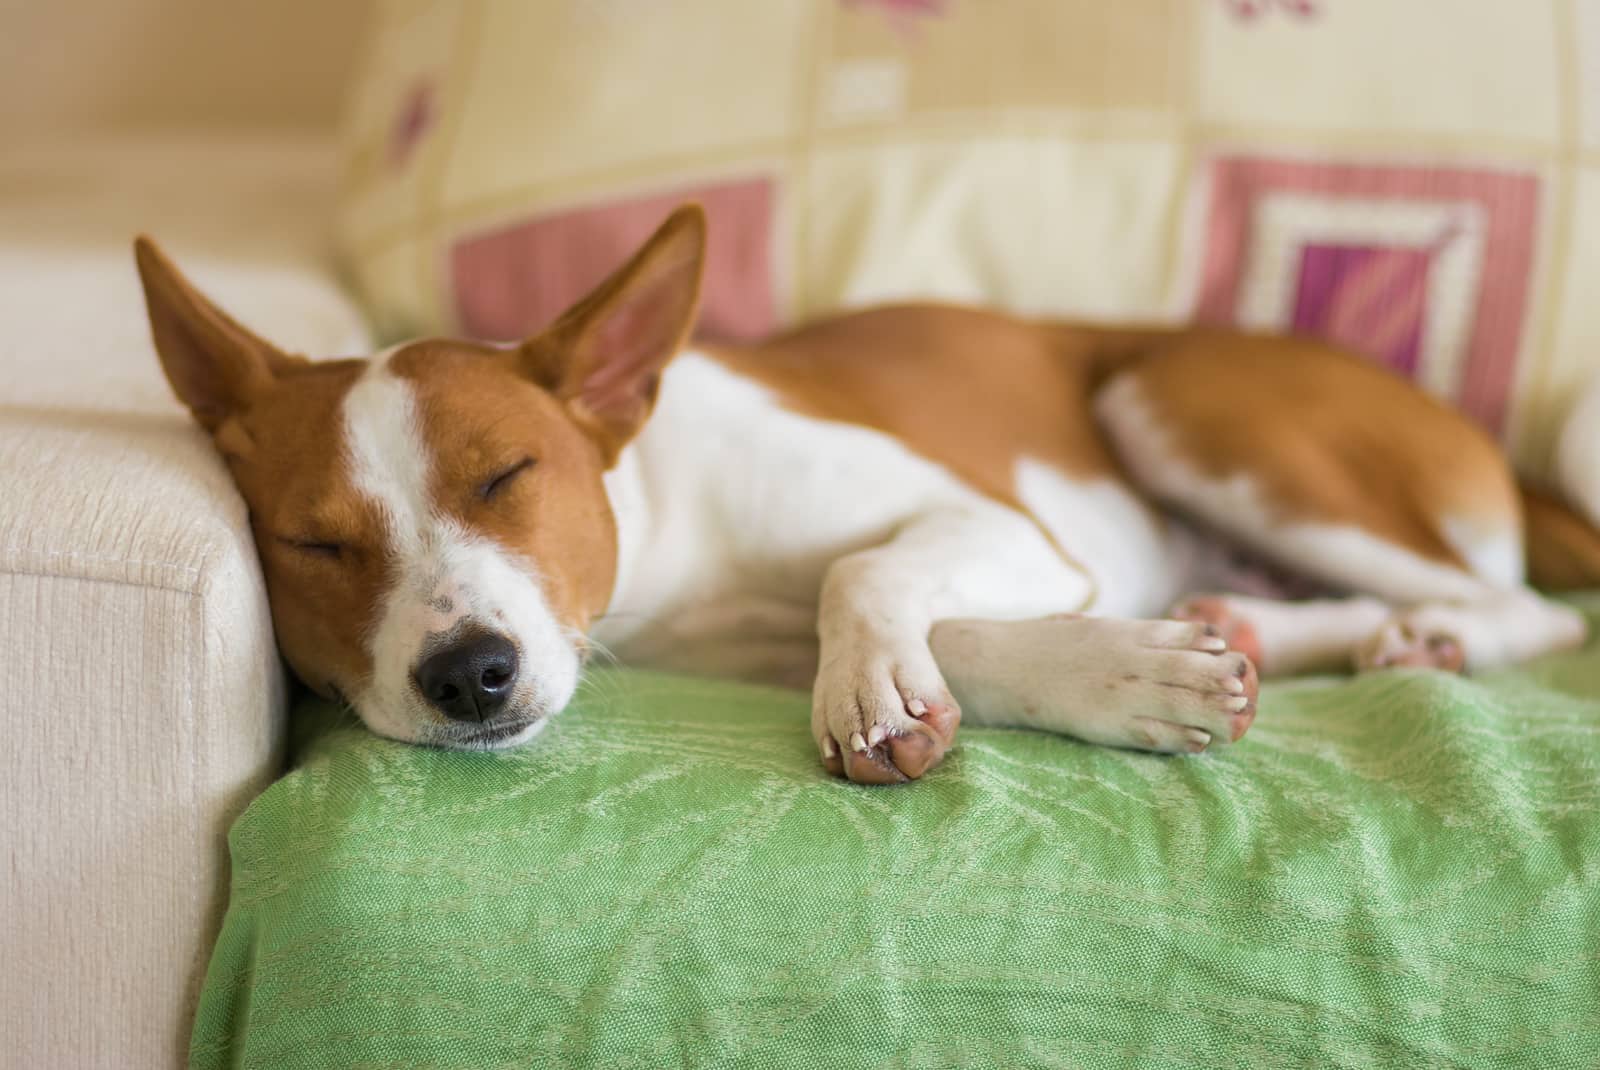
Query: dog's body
{"type": "Point", "coordinates": [917, 510]}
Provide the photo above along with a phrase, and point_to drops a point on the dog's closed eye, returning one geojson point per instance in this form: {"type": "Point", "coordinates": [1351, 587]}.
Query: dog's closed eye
{"type": "Point", "coordinates": [330, 550]}
{"type": "Point", "coordinates": [503, 479]}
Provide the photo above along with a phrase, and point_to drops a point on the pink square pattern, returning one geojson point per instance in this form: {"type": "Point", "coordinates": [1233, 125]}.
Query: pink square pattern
{"type": "Point", "coordinates": [511, 281]}
{"type": "Point", "coordinates": [1373, 296]}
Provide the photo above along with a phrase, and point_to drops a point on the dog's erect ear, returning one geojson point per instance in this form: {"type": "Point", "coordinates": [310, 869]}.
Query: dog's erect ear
{"type": "Point", "coordinates": [605, 354]}
{"type": "Point", "coordinates": [215, 366]}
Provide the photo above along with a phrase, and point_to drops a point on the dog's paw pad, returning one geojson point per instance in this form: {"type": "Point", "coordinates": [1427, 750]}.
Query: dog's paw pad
{"type": "Point", "coordinates": [871, 765]}
{"type": "Point", "coordinates": [922, 744]}
{"type": "Point", "coordinates": [878, 729]}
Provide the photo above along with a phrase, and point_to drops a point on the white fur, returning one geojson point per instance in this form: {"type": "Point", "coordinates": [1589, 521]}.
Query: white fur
{"type": "Point", "coordinates": [730, 510]}
{"type": "Point", "coordinates": [878, 606]}
{"type": "Point", "coordinates": [1350, 557]}
{"type": "Point", "coordinates": [1496, 557]}
{"type": "Point", "coordinates": [1137, 564]}
{"type": "Point", "coordinates": [1314, 636]}
{"type": "Point", "coordinates": [434, 559]}
{"type": "Point", "coordinates": [748, 533]}
{"type": "Point", "coordinates": [1155, 685]}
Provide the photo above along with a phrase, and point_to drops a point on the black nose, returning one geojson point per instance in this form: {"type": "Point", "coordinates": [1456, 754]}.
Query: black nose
{"type": "Point", "coordinates": [470, 679]}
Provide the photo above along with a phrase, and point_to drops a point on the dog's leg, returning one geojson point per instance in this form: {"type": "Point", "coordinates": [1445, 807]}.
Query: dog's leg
{"type": "Point", "coordinates": [884, 709]}
{"type": "Point", "coordinates": [1151, 685]}
{"type": "Point", "coordinates": [1498, 627]}
{"type": "Point", "coordinates": [881, 711]}
{"type": "Point", "coordinates": [1348, 477]}
{"type": "Point", "coordinates": [1286, 638]}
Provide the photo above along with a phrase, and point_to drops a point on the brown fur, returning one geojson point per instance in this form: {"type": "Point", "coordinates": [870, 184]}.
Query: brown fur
{"type": "Point", "coordinates": [286, 462]}
{"type": "Point", "coordinates": [1563, 548]}
{"type": "Point", "coordinates": [569, 399]}
{"type": "Point", "coordinates": [555, 512]}
{"type": "Point", "coordinates": [276, 421]}
{"type": "Point", "coordinates": [604, 356]}
{"type": "Point", "coordinates": [1328, 436]}
{"type": "Point", "coordinates": [973, 391]}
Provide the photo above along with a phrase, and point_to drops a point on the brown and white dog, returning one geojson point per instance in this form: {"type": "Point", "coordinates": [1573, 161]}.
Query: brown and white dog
{"type": "Point", "coordinates": [921, 512]}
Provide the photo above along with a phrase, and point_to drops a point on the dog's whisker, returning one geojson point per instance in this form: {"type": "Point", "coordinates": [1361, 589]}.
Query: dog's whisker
{"type": "Point", "coordinates": [604, 651]}
{"type": "Point", "coordinates": [620, 614]}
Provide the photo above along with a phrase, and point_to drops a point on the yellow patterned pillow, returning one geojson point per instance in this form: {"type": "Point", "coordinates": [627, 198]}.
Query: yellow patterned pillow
{"type": "Point", "coordinates": [1419, 181]}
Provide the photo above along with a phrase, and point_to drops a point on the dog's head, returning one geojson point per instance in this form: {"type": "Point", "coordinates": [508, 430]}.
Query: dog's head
{"type": "Point", "coordinates": [432, 522]}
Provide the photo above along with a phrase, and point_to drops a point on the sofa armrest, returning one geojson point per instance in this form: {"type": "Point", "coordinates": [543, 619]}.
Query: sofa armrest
{"type": "Point", "coordinates": [143, 692]}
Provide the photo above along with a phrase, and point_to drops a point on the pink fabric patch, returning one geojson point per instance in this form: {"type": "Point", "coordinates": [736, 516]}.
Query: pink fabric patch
{"type": "Point", "coordinates": [1369, 298]}
{"type": "Point", "coordinates": [511, 282]}
{"type": "Point", "coordinates": [1373, 297]}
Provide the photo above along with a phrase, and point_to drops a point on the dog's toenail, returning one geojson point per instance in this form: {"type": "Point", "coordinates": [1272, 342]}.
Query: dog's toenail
{"type": "Point", "coordinates": [875, 735]}
{"type": "Point", "coordinates": [830, 748]}
{"type": "Point", "coordinates": [1197, 740]}
{"type": "Point", "coordinates": [1236, 686]}
{"type": "Point", "coordinates": [916, 707]}
{"type": "Point", "coordinates": [858, 743]}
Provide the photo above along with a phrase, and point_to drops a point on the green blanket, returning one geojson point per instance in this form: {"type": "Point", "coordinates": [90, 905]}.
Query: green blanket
{"type": "Point", "coordinates": [1401, 871]}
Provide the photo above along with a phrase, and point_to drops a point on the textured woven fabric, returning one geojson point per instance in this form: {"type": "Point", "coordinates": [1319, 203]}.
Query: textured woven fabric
{"type": "Point", "coordinates": [1402, 871]}
{"type": "Point", "coordinates": [1416, 181]}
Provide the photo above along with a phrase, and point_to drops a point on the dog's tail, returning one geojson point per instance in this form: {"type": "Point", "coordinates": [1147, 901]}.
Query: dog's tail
{"type": "Point", "coordinates": [1562, 529]}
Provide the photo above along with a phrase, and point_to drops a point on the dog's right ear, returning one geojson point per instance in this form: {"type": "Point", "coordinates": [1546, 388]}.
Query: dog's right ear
{"type": "Point", "coordinates": [215, 366]}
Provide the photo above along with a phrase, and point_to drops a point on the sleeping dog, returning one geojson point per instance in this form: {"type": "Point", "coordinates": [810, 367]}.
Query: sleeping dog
{"type": "Point", "coordinates": [921, 513]}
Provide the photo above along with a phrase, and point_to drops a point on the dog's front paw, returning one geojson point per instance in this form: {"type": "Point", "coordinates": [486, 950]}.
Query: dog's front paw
{"type": "Point", "coordinates": [1168, 686]}
{"type": "Point", "coordinates": [1222, 614]}
{"type": "Point", "coordinates": [882, 718]}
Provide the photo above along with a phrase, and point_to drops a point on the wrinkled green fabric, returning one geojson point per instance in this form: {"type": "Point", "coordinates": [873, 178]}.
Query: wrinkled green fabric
{"type": "Point", "coordinates": [1400, 871]}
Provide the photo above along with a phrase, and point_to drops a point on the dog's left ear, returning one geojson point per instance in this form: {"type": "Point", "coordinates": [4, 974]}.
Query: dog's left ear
{"type": "Point", "coordinates": [604, 355]}
{"type": "Point", "coordinates": [215, 366]}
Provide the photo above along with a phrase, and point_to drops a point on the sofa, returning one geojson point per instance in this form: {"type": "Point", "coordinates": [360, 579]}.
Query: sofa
{"type": "Point", "coordinates": [1394, 872]}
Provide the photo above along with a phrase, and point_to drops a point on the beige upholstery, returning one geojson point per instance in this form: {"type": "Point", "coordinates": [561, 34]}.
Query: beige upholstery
{"type": "Point", "coordinates": [1303, 165]}
{"type": "Point", "coordinates": [134, 64]}
{"type": "Point", "coordinates": [142, 700]}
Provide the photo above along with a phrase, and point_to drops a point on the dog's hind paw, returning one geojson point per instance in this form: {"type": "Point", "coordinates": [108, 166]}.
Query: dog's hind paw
{"type": "Point", "coordinates": [1404, 642]}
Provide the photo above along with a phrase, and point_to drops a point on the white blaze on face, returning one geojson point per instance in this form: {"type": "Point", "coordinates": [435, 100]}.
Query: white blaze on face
{"type": "Point", "coordinates": [443, 577]}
